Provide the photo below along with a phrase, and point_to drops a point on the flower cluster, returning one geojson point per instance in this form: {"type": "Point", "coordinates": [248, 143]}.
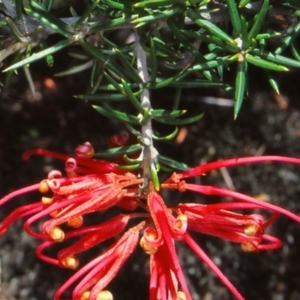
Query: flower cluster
{"type": "Point", "coordinates": [92, 185]}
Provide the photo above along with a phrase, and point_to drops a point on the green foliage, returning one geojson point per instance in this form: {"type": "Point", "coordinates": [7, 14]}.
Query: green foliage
{"type": "Point", "coordinates": [188, 44]}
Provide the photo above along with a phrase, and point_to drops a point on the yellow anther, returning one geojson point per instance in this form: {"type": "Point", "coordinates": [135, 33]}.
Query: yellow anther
{"type": "Point", "coordinates": [57, 234]}
{"type": "Point", "coordinates": [181, 222]}
{"type": "Point", "coordinates": [75, 222]}
{"type": "Point", "coordinates": [47, 200]}
{"type": "Point", "coordinates": [105, 295]}
{"type": "Point", "coordinates": [251, 229]}
{"type": "Point", "coordinates": [181, 295]}
{"type": "Point", "coordinates": [85, 295]}
{"type": "Point", "coordinates": [70, 262]}
{"type": "Point", "coordinates": [248, 247]}
{"type": "Point", "coordinates": [43, 187]}
{"type": "Point", "coordinates": [150, 250]}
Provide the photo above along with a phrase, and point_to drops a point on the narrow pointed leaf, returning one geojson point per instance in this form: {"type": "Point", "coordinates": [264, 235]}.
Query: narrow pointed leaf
{"type": "Point", "coordinates": [210, 27]}
{"type": "Point", "coordinates": [180, 121]}
{"type": "Point", "coordinates": [157, 16]}
{"type": "Point", "coordinates": [153, 60]}
{"type": "Point", "coordinates": [154, 3]}
{"type": "Point", "coordinates": [234, 16]}
{"type": "Point", "coordinates": [172, 163]}
{"type": "Point", "coordinates": [262, 63]}
{"type": "Point", "coordinates": [295, 52]}
{"type": "Point", "coordinates": [119, 151]}
{"type": "Point", "coordinates": [260, 20]}
{"type": "Point", "coordinates": [133, 99]}
{"type": "Point", "coordinates": [201, 83]}
{"type": "Point", "coordinates": [119, 6]}
{"type": "Point", "coordinates": [276, 58]}
{"type": "Point", "coordinates": [288, 40]}
{"type": "Point", "coordinates": [132, 71]}
{"type": "Point", "coordinates": [166, 114]}
{"type": "Point", "coordinates": [114, 97]}
{"type": "Point", "coordinates": [154, 177]}
{"type": "Point", "coordinates": [86, 13]}
{"type": "Point", "coordinates": [75, 69]}
{"type": "Point", "coordinates": [117, 115]}
{"type": "Point", "coordinates": [36, 56]}
{"type": "Point", "coordinates": [114, 83]}
{"type": "Point", "coordinates": [97, 53]}
{"type": "Point", "coordinates": [225, 45]}
{"type": "Point", "coordinates": [240, 86]}
{"type": "Point", "coordinates": [105, 24]}
{"type": "Point", "coordinates": [166, 137]}
{"type": "Point", "coordinates": [272, 82]}
{"type": "Point", "coordinates": [49, 20]}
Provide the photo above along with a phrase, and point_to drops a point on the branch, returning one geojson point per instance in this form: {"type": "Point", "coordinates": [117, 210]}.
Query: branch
{"type": "Point", "coordinates": [149, 153]}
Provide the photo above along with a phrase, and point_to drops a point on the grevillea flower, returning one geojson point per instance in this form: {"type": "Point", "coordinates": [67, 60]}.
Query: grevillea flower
{"type": "Point", "coordinates": [92, 186]}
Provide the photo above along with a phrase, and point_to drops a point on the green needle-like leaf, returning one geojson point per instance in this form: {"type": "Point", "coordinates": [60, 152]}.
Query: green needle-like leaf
{"type": "Point", "coordinates": [234, 16]}
{"type": "Point", "coordinates": [119, 151]}
{"type": "Point", "coordinates": [166, 114]}
{"type": "Point", "coordinates": [244, 3]}
{"type": "Point", "coordinates": [154, 3]}
{"type": "Point", "coordinates": [128, 67]}
{"type": "Point", "coordinates": [210, 27]}
{"type": "Point", "coordinates": [99, 26]}
{"type": "Point", "coordinates": [262, 63]}
{"type": "Point", "coordinates": [75, 69]}
{"type": "Point", "coordinates": [118, 87]}
{"type": "Point", "coordinates": [36, 56]}
{"type": "Point", "coordinates": [288, 40]}
{"type": "Point", "coordinates": [134, 100]}
{"type": "Point", "coordinates": [260, 20]}
{"type": "Point", "coordinates": [117, 115]}
{"type": "Point", "coordinates": [166, 137]}
{"type": "Point", "coordinates": [113, 97]}
{"type": "Point", "coordinates": [240, 86]}
{"type": "Point", "coordinates": [172, 163]}
{"type": "Point", "coordinates": [157, 16]}
{"type": "Point", "coordinates": [123, 6]}
{"type": "Point", "coordinates": [272, 82]}
{"type": "Point", "coordinates": [154, 177]}
{"type": "Point", "coordinates": [278, 59]}
{"type": "Point", "coordinates": [49, 20]}
{"type": "Point", "coordinates": [86, 13]}
{"type": "Point", "coordinates": [295, 52]}
{"type": "Point", "coordinates": [96, 52]}
{"type": "Point", "coordinates": [153, 61]}
{"type": "Point", "coordinates": [180, 121]}
{"type": "Point", "coordinates": [196, 83]}
{"type": "Point", "coordinates": [224, 45]}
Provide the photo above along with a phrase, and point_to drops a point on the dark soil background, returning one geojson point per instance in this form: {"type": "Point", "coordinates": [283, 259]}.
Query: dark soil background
{"type": "Point", "coordinates": [267, 124]}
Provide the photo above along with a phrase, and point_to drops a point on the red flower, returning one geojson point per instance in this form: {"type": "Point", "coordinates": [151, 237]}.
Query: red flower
{"type": "Point", "coordinates": [94, 186]}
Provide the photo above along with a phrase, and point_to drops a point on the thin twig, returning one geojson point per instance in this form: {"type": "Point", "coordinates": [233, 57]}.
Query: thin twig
{"type": "Point", "coordinates": [149, 153]}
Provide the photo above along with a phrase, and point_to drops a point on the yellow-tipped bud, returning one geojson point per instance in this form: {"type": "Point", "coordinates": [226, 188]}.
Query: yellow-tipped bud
{"type": "Point", "coordinates": [47, 200]}
{"type": "Point", "coordinates": [248, 247]}
{"type": "Point", "coordinates": [70, 262]}
{"type": "Point", "coordinates": [251, 229]}
{"type": "Point", "coordinates": [57, 234]}
{"type": "Point", "coordinates": [43, 187]}
{"type": "Point", "coordinates": [75, 222]}
{"type": "Point", "coordinates": [150, 250]}
{"type": "Point", "coordinates": [105, 295]}
{"type": "Point", "coordinates": [85, 295]}
{"type": "Point", "coordinates": [181, 295]}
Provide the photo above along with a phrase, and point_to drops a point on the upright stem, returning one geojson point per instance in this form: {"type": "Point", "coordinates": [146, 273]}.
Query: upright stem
{"type": "Point", "coordinates": [149, 153]}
